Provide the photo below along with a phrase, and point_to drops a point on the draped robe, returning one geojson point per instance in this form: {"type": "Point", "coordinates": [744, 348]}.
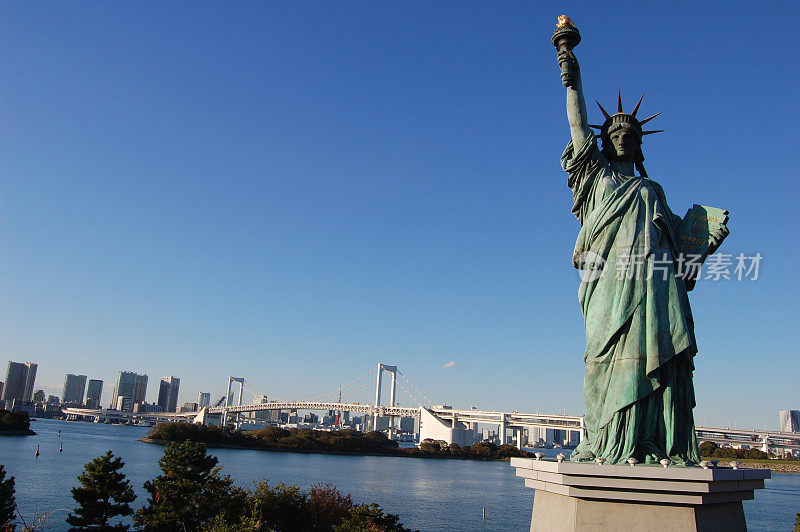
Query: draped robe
{"type": "Point", "coordinates": [639, 330]}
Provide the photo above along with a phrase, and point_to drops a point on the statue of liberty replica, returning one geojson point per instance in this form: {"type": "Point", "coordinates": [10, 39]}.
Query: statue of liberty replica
{"type": "Point", "coordinates": [640, 339]}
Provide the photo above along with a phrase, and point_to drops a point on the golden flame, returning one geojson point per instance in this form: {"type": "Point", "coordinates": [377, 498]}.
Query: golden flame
{"type": "Point", "coordinates": [564, 20]}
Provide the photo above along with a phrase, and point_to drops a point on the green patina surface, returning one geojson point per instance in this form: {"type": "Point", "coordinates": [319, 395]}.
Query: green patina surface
{"type": "Point", "coordinates": [639, 329]}
{"type": "Point", "coordinates": [640, 339]}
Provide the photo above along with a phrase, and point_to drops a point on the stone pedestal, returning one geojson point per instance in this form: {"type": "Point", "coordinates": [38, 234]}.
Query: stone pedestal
{"type": "Point", "coordinates": [583, 496]}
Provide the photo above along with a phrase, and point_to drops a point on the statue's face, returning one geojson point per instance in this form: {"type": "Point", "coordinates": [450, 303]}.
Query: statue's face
{"type": "Point", "coordinates": [625, 142]}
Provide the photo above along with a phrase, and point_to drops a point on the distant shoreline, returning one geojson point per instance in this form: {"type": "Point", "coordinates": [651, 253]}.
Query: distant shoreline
{"type": "Point", "coordinates": [778, 466]}
{"type": "Point", "coordinates": [392, 453]}
{"type": "Point", "coordinates": [17, 432]}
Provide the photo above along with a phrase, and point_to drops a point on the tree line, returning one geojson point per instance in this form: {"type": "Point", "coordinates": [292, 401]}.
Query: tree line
{"type": "Point", "coordinates": [337, 441]}
{"type": "Point", "coordinates": [710, 449]}
{"type": "Point", "coordinates": [191, 495]}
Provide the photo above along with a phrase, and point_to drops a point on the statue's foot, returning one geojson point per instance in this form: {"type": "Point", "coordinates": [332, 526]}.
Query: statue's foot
{"type": "Point", "coordinates": [581, 455]}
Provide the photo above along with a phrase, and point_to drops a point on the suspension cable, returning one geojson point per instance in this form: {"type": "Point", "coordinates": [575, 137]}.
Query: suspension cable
{"type": "Point", "coordinates": [413, 399]}
{"type": "Point", "coordinates": [341, 388]}
{"type": "Point", "coordinates": [415, 388]}
{"type": "Point", "coordinates": [353, 391]}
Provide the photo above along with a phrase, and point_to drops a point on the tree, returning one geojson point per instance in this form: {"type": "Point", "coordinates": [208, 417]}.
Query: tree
{"type": "Point", "coordinates": [370, 517]}
{"type": "Point", "coordinates": [191, 493]}
{"type": "Point", "coordinates": [103, 495]}
{"type": "Point", "coordinates": [281, 508]}
{"type": "Point", "coordinates": [326, 506]}
{"type": "Point", "coordinates": [707, 448]}
{"type": "Point", "coordinates": [271, 434]}
{"type": "Point", "coordinates": [16, 421]}
{"type": "Point", "coordinates": [796, 523]}
{"type": "Point", "coordinates": [38, 396]}
{"type": "Point", "coordinates": [429, 445]}
{"type": "Point", "coordinates": [8, 504]}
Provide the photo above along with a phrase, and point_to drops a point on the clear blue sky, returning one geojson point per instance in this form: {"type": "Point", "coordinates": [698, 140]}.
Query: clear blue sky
{"type": "Point", "coordinates": [296, 191]}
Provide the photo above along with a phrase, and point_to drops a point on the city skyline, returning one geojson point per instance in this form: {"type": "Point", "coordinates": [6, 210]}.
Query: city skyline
{"type": "Point", "coordinates": [295, 193]}
{"type": "Point", "coordinates": [186, 396]}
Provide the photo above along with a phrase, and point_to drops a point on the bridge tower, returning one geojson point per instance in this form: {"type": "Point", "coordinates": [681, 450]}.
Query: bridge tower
{"type": "Point", "coordinates": [393, 371]}
{"type": "Point", "coordinates": [231, 380]}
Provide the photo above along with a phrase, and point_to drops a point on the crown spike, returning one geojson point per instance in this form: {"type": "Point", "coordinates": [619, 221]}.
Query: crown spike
{"type": "Point", "coordinates": [654, 131]}
{"type": "Point", "coordinates": [595, 126]}
{"type": "Point", "coordinates": [619, 101]}
{"type": "Point", "coordinates": [649, 118]}
{"type": "Point", "coordinates": [636, 109]}
{"type": "Point", "coordinates": [605, 113]}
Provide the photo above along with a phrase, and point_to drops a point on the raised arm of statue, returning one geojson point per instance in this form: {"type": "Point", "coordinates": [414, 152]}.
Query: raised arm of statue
{"type": "Point", "coordinates": [576, 105]}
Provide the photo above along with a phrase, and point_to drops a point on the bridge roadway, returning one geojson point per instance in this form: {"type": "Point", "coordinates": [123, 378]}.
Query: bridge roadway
{"type": "Point", "coordinates": [156, 417]}
{"type": "Point", "coordinates": [753, 438]}
{"type": "Point", "coordinates": [313, 405]}
{"type": "Point", "coordinates": [511, 419]}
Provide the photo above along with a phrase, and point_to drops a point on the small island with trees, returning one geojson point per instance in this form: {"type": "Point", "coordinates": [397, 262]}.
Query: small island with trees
{"type": "Point", "coordinates": [320, 441]}
{"type": "Point", "coordinates": [15, 424]}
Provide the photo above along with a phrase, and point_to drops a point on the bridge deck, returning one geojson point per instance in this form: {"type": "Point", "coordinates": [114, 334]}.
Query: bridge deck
{"type": "Point", "coordinates": [753, 438]}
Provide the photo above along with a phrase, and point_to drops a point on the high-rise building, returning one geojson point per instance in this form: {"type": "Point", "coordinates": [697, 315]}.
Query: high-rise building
{"type": "Point", "coordinates": [203, 399]}
{"type": "Point", "coordinates": [93, 393]}
{"type": "Point", "coordinates": [168, 393]}
{"type": "Point", "coordinates": [790, 420]}
{"type": "Point", "coordinates": [126, 382]}
{"type": "Point", "coordinates": [19, 381]}
{"type": "Point", "coordinates": [29, 381]}
{"type": "Point", "coordinates": [74, 386]}
{"type": "Point", "coordinates": [146, 407]}
{"type": "Point", "coordinates": [126, 386]}
{"type": "Point", "coordinates": [264, 415]}
{"type": "Point", "coordinates": [1, 389]}
{"type": "Point", "coordinates": [124, 404]}
{"type": "Point", "coordinates": [140, 391]}
{"type": "Point", "coordinates": [407, 424]}
{"type": "Point", "coordinates": [189, 407]}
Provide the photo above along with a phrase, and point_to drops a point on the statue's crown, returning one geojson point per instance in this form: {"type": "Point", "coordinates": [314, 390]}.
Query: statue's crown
{"type": "Point", "coordinates": [623, 119]}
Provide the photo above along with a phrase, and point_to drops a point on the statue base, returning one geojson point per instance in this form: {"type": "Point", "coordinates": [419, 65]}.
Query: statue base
{"type": "Point", "coordinates": [584, 496]}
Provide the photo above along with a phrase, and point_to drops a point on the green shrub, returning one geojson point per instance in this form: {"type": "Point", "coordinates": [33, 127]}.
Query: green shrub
{"type": "Point", "coordinates": [370, 517]}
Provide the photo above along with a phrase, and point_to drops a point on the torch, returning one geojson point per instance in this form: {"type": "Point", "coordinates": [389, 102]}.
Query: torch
{"type": "Point", "coordinates": [565, 37]}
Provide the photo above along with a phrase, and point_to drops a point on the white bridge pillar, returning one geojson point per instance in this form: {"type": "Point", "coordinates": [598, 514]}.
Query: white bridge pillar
{"type": "Point", "coordinates": [231, 380]}
{"type": "Point", "coordinates": [393, 371]}
{"type": "Point", "coordinates": [765, 444]}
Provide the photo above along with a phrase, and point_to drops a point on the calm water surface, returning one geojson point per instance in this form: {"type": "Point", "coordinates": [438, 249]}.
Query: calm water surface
{"type": "Point", "coordinates": [430, 495]}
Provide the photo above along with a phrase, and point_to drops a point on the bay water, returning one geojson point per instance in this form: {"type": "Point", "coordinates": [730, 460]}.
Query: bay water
{"type": "Point", "coordinates": [427, 494]}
